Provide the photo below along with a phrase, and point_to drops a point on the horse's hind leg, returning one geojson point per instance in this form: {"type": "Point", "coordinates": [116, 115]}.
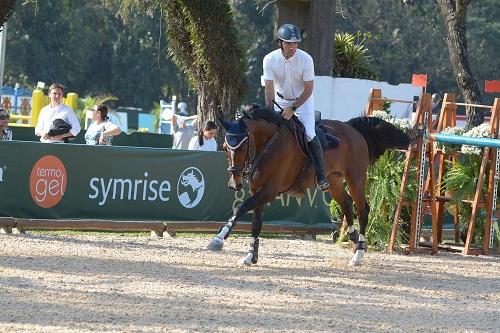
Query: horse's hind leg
{"type": "Point", "coordinates": [253, 252]}
{"type": "Point", "coordinates": [340, 195]}
{"type": "Point", "coordinates": [358, 194]}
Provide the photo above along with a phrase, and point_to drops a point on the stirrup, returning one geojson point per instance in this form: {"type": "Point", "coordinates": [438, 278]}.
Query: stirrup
{"type": "Point", "coordinates": [323, 185]}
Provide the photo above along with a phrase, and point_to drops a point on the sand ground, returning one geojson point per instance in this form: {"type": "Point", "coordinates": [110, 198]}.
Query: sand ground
{"type": "Point", "coordinates": [112, 283]}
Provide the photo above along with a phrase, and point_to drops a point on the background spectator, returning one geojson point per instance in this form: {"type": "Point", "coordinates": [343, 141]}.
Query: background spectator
{"type": "Point", "coordinates": [5, 131]}
{"type": "Point", "coordinates": [56, 111]}
{"type": "Point", "coordinates": [205, 139]}
{"type": "Point", "coordinates": [101, 131]}
{"type": "Point", "coordinates": [183, 131]}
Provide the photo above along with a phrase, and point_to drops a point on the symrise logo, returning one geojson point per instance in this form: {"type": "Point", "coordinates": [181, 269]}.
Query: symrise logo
{"type": "Point", "coordinates": [48, 181]}
{"type": "Point", "coordinates": [190, 187]}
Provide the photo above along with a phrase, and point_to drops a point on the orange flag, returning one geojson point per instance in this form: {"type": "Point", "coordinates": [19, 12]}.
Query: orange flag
{"type": "Point", "coordinates": [419, 80]}
{"type": "Point", "coordinates": [491, 86]}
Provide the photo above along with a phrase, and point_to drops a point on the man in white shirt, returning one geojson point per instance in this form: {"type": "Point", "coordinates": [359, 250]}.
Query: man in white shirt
{"type": "Point", "coordinates": [56, 110]}
{"type": "Point", "coordinates": [289, 81]}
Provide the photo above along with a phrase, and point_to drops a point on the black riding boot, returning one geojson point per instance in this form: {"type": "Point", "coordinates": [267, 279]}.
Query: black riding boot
{"type": "Point", "coordinates": [318, 162]}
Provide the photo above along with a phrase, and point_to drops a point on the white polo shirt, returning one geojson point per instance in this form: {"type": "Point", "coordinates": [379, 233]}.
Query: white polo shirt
{"type": "Point", "coordinates": [47, 116]}
{"type": "Point", "coordinates": [290, 74]}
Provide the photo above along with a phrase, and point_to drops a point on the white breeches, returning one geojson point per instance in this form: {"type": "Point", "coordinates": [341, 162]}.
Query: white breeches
{"type": "Point", "coordinates": [305, 113]}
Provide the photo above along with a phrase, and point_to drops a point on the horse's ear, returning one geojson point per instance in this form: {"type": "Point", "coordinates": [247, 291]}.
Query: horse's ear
{"type": "Point", "coordinates": [224, 123]}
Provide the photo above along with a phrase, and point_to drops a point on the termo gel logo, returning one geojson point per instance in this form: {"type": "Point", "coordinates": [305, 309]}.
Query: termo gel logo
{"type": "Point", "coordinates": [48, 181]}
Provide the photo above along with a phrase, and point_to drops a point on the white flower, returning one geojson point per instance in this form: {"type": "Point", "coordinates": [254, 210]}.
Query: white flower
{"type": "Point", "coordinates": [403, 124]}
{"type": "Point", "coordinates": [448, 148]}
{"type": "Point", "coordinates": [481, 131]}
{"type": "Point", "coordinates": [380, 114]}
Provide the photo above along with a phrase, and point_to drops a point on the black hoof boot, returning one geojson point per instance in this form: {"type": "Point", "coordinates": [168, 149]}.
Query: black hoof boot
{"type": "Point", "coordinates": [354, 236]}
{"type": "Point", "coordinates": [255, 251]}
{"type": "Point", "coordinates": [252, 255]}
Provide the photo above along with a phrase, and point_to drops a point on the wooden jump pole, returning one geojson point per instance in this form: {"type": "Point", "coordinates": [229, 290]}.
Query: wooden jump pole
{"type": "Point", "coordinates": [490, 157]}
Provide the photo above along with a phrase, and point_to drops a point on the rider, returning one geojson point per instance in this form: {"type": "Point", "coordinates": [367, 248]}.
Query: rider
{"type": "Point", "coordinates": [289, 80]}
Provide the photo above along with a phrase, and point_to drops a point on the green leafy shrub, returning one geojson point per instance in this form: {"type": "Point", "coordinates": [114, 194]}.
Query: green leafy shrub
{"type": "Point", "coordinates": [351, 56]}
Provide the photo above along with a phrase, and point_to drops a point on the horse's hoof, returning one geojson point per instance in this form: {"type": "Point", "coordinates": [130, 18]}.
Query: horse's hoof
{"type": "Point", "coordinates": [216, 244]}
{"type": "Point", "coordinates": [358, 257]}
{"type": "Point", "coordinates": [355, 263]}
{"type": "Point", "coordinates": [247, 260]}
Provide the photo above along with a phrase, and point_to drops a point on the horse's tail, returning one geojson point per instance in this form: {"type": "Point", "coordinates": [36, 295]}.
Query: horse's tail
{"type": "Point", "coordinates": [380, 135]}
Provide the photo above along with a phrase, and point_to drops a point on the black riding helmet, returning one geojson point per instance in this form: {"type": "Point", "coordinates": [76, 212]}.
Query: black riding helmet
{"type": "Point", "coordinates": [289, 33]}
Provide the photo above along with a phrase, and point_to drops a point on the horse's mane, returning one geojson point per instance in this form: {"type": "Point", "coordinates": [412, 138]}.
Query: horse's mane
{"type": "Point", "coordinates": [380, 135]}
{"type": "Point", "coordinates": [256, 112]}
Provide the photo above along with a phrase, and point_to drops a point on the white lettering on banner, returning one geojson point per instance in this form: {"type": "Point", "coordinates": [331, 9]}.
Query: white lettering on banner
{"type": "Point", "coordinates": [53, 187]}
{"type": "Point", "coordinates": [1, 174]}
{"type": "Point", "coordinates": [128, 189]}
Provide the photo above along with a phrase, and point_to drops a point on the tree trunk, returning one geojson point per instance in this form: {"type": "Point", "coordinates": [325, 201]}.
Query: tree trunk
{"type": "Point", "coordinates": [315, 18]}
{"type": "Point", "coordinates": [320, 35]}
{"type": "Point", "coordinates": [6, 9]}
{"type": "Point", "coordinates": [454, 13]}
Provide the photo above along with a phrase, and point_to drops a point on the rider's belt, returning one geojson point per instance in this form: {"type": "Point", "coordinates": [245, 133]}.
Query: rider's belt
{"type": "Point", "coordinates": [286, 99]}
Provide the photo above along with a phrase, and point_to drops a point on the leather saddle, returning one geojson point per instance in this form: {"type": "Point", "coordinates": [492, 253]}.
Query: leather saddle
{"type": "Point", "coordinates": [327, 140]}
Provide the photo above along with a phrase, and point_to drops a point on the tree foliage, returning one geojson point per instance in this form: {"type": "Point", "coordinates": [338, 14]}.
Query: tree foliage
{"type": "Point", "coordinates": [205, 45]}
{"type": "Point", "coordinates": [82, 44]}
{"type": "Point", "coordinates": [412, 39]}
{"type": "Point", "coordinates": [6, 9]}
{"type": "Point", "coordinates": [351, 57]}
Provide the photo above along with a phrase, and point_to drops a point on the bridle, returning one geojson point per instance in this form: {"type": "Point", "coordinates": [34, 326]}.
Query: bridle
{"type": "Point", "coordinates": [248, 168]}
{"type": "Point", "coordinates": [239, 169]}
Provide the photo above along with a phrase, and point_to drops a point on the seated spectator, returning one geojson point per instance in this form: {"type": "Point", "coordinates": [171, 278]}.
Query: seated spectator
{"type": "Point", "coordinates": [5, 131]}
{"type": "Point", "coordinates": [56, 110]}
{"type": "Point", "coordinates": [205, 139]}
{"type": "Point", "coordinates": [101, 131]}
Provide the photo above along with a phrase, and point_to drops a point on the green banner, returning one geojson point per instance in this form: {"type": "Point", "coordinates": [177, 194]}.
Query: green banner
{"type": "Point", "coordinates": [71, 181]}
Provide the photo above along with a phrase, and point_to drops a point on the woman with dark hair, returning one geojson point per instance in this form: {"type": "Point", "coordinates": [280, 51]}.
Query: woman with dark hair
{"type": "Point", "coordinates": [5, 131]}
{"type": "Point", "coordinates": [101, 131]}
{"type": "Point", "coordinates": [205, 139]}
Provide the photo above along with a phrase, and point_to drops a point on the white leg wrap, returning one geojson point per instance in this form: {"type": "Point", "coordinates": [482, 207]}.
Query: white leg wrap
{"type": "Point", "coordinates": [247, 260]}
{"type": "Point", "coordinates": [358, 256]}
{"type": "Point", "coordinates": [223, 232]}
{"type": "Point", "coordinates": [361, 238]}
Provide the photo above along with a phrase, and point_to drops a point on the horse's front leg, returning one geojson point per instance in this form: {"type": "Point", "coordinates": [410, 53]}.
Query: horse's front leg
{"type": "Point", "coordinates": [254, 201]}
{"type": "Point", "coordinates": [253, 253]}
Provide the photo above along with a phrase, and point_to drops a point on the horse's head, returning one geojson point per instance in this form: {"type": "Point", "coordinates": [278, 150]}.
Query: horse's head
{"type": "Point", "coordinates": [236, 146]}
{"type": "Point", "coordinates": [244, 139]}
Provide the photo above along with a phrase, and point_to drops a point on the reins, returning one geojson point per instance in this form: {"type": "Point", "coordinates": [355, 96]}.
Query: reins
{"type": "Point", "coordinates": [249, 167]}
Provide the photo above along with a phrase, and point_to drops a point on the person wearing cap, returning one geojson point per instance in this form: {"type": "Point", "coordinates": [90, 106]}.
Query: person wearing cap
{"type": "Point", "coordinates": [289, 81]}
{"type": "Point", "coordinates": [5, 131]}
{"type": "Point", "coordinates": [183, 131]}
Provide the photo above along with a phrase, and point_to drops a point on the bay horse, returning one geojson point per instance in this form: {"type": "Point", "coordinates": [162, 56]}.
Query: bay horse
{"type": "Point", "coordinates": [263, 150]}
